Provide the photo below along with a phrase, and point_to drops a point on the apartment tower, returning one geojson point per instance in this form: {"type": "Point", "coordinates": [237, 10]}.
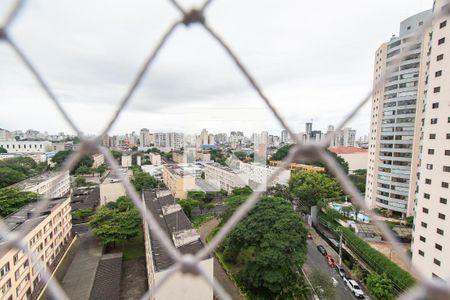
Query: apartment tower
{"type": "Point", "coordinates": [431, 245]}
{"type": "Point", "coordinates": [394, 116]}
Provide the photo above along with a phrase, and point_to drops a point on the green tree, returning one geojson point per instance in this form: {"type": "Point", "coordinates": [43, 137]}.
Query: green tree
{"type": "Point", "coordinates": [333, 214]}
{"type": "Point", "coordinates": [116, 154]}
{"type": "Point", "coordinates": [346, 210]}
{"type": "Point", "coordinates": [100, 169]}
{"type": "Point", "coordinates": [187, 205]}
{"type": "Point", "coordinates": [9, 176]}
{"type": "Point", "coordinates": [142, 180]}
{"type": "Point", "coordinates": [310, 188]}
{"type": "Point", "coordinates": [241, 155]}
{"type": "Point", "coordinates": [282, 152]}
{"type": "Point", "coordinates": [112, 225]}
{"type": "Point", "coordinates": [322, 284]}
{"type": "Point", "coordinates": [82, 214]}
{"type": "Point", "coordinates": [218, 156]}
{"type": "Point", "coordinates": [83, 170]}
{"type": "Point", "coordinates": [380, 286]}
{"type": "Point", "coordinates": [60, 157]}
{"type": "Point", "coordinates": [358, 177]}
{"type": "Point", "coordinates": [80, 181]}
{"type": "Point", "coordinates": [267, 247]}
{"type": "Point", "coordinates": [12, 199]}
{"type": "Point", "coordinates": [3, 150]}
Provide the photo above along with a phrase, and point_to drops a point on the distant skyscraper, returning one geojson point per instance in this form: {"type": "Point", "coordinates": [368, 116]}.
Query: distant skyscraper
{"type": "Point", "coordinates": [284, 136]}
{"type": "Point", "coordinates": [144, 138]}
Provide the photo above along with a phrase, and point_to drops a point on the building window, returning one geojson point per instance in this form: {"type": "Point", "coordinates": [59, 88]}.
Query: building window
{"type": "Point", "coordinates": [441, 41]}
{"type": "Point", "coordinates": [440, 57]}
{"type": "Point", "coordinates": [423, 224]}
{"type": "Point", "coordinates": [424, 210]}
{"type": "Point", "coordinates": [443, 24]}
{"type": "Point", "coordinates": [443, 200]}
{"type": "Point", "coordinates": [444, 185]}
{"type": "Point", "coordinates": [440, 231]}
{"type": "Point", "coordinates": [447, 152]}
{"type": "Point", "coordinates": [446, 168]}
{"type": "Point", "coordinates": [437, 262]}
{"type": "Point", "coordinates": [435, 105]}
{"type": "Point", "coordinates": [4, 270]}
{"type": "Point", "coordinates": [437, 246]}
{"type": "Point", "coordinates": [429, 167]}
{"type": "Point", "coordinates": [431, 151]}
{"type": "Point", "coordinates": [441, 216]}
{"type": "Point", "coordinates": [423, 239]}
{"type": "Point", "coordinates": [437, 89]}
{"type": "Point", "coordinates": [427, 181]}
{"type": "Point", "coordinates": [438, 73]}
{"type": "Point", "coordinates": [421, 253]}
{"type": "Point", "coordinates": [432, 136]}
{"type": "Point", "coordinates": [433, 121]}
{"type": "Point", "coordinates": [448, 136]}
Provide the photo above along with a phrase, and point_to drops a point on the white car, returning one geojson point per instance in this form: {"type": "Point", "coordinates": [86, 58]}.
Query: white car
{"type": "Point", "coordinates": [334, 281]}
{"type": "Point", "coordinates": [355, 289]}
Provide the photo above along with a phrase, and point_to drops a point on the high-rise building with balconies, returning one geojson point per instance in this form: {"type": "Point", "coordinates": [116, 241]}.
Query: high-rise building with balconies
{"type": "Point", "coordinates": [395, 119]}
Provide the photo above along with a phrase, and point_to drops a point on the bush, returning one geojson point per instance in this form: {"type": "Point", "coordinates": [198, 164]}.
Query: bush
{"type": "Point", "coordinates": [377, 261]}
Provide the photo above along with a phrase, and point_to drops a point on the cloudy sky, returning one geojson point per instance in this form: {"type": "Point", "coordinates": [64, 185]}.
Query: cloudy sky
{"type": "Point", "coordinates": [314, 59]}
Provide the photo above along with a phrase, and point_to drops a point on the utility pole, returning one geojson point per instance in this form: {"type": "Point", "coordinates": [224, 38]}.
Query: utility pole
{"type": "Point", "coordinates": [340, 250]}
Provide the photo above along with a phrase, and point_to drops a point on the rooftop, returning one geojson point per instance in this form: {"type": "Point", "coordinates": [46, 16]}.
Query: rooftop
{"type": "Point", "coordinates": [175, 225]}
{"type": "Point", "coordinates": [15, 221]}
{"type": "Point", "coordinates": [348, 150]}
{"type": "Point", "coordinates": [35, 180]}
{"type": "Point", "coordinates": [179, 170]}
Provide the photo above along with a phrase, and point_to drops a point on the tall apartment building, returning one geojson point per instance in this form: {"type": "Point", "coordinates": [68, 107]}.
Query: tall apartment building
{"type": "Point", "coordinates": [178, 228]}
{"type": "Point", "coordinates": [395, 117]}
{"type": "Point", "coordinates": [99, 159]}
{"type": "Point", "coordinates": [48, 236]}
{"type": "Point", "coordinates": [431, 245]}
{"type": "Point", "coordinates": [155, 158]}
{"type": "Point", "coordinates": [144, 137]}
{"type": "Point", "coordinates": [342, 138]}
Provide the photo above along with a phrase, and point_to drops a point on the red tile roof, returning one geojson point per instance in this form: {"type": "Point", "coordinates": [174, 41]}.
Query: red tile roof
{"type": "Point", "coordinates": [348, 150]}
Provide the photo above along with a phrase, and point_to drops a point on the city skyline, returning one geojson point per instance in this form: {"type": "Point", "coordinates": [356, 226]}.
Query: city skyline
{"type": "Point", "coordinates": [91, 82]}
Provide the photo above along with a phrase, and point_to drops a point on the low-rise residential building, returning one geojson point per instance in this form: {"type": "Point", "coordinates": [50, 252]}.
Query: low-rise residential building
{"type": "Point", "coordinates": [357, 158]}
{"type": "Point", "coordinates": [178, 181]}
{"type": "Point", "coordinates": [203, 156]}
{"type": "Point", "coordinates": [27, 146]}
{"type": "Point", "coordinates": [99, 159]}
{"type": "Point", "coordinates": [259, 174]}
{"type": "Point", "coordinates": [50, 184]}
{"type": "Point", "coordinates": [112, 188]}
{"type": "Point", "coordinates": [126, 161]}
{"type": "Point", "coordinates": [223, 177]}
{"type": "Point", "coordinates": [179, 157]}
{"type": "Point", "coordinates": [297, 167]}
{"type": "Point", "coordinates": [177, 226]}
{"type": "Point", "coordinates": [155, 159]}
{"type": "Point", "coordinates": [47, 235]}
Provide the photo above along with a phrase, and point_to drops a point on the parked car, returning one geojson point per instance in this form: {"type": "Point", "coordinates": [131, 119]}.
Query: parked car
{"type": "Point", "coordinates": [322, 250]}
{"type": "Point", "coordinates": [340, 270]}
{"type": "Point", "coordinates": [355, 289]}
{"type": "Point", "coordinates": [330, 261]}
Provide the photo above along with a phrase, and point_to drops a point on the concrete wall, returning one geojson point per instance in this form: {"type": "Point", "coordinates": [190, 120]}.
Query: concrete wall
{"type": "Point", "coordinates": [109, 192]}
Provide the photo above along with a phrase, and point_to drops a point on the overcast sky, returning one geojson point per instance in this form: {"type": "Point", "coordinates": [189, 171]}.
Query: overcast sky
{"type": "Point", "coordinates": [314, 59]}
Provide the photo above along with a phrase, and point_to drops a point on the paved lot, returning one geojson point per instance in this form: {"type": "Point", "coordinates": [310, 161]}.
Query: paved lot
{"type": "Point", "coordinates": [134, 279]}
{"type": "Point", "coordinates": [79, 279]}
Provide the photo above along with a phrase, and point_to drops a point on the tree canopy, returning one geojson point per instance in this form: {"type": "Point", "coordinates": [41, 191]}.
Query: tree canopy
{"type": "Point", "coordinates": [13, 199]}
{"type": "Point", "coordinates": [282, 152]}
{"type": "Point", "coordinates": [311, 188]}
{"type": "Point", "coordinates": [116, 223]}
{"type": "Point", "coordinates": [3, 150]}
{"type": "Point", "coordinates": [358, 177]}
{"type": "Point", "coordinates": [142, 180]}
{"type": "Point", "coordinates": [380, 286]}
{"type": "Point", "coordinates": [268, 247]}
{"type": "Point", "coordinates": [13, 170]}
